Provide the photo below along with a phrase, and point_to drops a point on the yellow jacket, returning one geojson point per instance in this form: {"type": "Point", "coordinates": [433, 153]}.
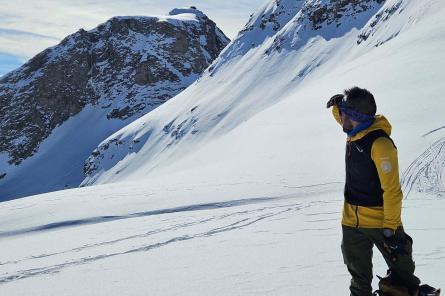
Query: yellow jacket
{"type": "Point", "coordinates": [384, 155]}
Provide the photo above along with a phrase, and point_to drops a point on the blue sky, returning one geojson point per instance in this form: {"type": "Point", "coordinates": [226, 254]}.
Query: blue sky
{"type": "Point", "coordinates": [29, 26]}
{"type": "Point", "coordinates": [8, 62]}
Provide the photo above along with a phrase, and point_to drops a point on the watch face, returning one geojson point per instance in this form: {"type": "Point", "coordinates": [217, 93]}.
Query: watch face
{"type": "Point", "coordinates": [388, 232]}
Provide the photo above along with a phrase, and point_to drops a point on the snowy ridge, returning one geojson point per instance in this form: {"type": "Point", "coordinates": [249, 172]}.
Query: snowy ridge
{"type": "Point", "coordinates": [324, 19]}
{"type": "Point", "coordinates": [263, 24]}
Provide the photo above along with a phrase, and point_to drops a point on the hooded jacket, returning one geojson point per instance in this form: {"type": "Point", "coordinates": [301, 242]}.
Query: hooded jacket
{"type": "Point", "coordinates": [384, 156]}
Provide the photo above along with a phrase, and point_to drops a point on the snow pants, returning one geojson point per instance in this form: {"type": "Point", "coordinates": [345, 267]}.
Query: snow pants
{"type": "Point", "coordinates": [357, 246]}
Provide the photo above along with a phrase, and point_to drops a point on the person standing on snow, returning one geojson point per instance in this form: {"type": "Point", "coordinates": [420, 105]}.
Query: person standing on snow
{"type": "Point", "coordinates": [373, 199]}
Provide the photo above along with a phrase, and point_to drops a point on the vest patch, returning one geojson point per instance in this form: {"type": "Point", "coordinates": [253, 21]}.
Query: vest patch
{"type": "Point", "coordinates": [386, 166]}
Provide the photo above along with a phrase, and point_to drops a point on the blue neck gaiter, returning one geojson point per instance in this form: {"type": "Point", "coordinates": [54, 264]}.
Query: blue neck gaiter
{"type": "Point", "coordinates": [362, 126]}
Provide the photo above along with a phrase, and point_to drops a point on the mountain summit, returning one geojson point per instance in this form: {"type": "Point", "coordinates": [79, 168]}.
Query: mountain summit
{"type": "Point", "coordinates": [63, 102]}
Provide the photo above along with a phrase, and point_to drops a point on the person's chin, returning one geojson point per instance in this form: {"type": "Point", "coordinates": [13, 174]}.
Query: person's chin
{"type": "Point", "coordinates": [347, 130]}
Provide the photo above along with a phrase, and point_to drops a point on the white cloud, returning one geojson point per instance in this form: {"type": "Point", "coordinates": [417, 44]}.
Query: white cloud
{"type": "Point", "coordinates": [27, 27]}
{"type": "Point", "coordinates": [22, 44]}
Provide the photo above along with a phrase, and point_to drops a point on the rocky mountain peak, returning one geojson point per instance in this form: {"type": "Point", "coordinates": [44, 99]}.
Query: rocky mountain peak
{"type": "Point", "coordinates": [326, 12]}
{"type": "Point", "coordinates": [326, 19]}
{"type": "Point", "coordinates": [291, 23]}
{"type": "Point", "coordinates": [124, 68]}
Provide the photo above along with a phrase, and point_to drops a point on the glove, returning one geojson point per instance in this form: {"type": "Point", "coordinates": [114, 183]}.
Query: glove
{"type": "Point", "coordinates": [334, 100]}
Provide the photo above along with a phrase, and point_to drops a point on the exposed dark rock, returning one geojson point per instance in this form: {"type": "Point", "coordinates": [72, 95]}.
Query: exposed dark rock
{"type": "Point", "coordinates": [380, 17]}
{"type": "Point", "coordinates": [332, 11]}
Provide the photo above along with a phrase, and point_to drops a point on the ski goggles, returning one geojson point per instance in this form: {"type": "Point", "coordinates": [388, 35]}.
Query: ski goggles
{"type": "Point", "coordinates": [352, 113]}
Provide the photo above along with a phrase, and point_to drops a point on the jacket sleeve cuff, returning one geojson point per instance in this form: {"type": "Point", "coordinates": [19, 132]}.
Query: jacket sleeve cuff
{"type": "Point", "coordinates": [390, 226]}
{"type": "Point", "coordinates": [336, 114]}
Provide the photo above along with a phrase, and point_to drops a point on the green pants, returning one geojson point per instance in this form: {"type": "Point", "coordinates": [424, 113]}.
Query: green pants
{"type": "Point", "coordinates": [357, 248]}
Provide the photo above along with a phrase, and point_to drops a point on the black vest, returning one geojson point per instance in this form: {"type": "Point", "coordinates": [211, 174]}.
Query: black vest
{"type": "Point", "coordinates": [363, 186]}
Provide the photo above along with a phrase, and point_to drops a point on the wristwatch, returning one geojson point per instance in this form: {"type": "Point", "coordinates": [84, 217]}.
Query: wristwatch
{"type": "Point", "coordinates": [388, 232]}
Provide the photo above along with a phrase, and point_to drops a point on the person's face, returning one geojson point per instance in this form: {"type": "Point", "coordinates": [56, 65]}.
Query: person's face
{"type": "Point", "coordinates": [347, 123]}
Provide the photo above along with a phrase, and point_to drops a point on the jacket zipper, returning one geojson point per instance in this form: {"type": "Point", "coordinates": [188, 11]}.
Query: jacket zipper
{"type": "Point", "coordinates": [356, 215]}
{"type": "Point", "coordinates": [349, 154]}
{"type": "Point", "coordinates": [349, 148]}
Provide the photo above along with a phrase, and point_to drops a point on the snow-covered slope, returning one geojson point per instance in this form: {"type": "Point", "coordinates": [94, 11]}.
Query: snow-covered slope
{"type": "Point", "coordinates": [257, 112]}
{"type": "Point", "coordinates": [61, 104]}
{"type": "Point", "coordinates": [183, 239]}
{"type": "Point", "coordinates": [234, 187]}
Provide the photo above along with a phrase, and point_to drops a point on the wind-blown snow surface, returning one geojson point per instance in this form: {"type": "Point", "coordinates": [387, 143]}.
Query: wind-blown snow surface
{"type": "Point", "coordinates": [234, 187]}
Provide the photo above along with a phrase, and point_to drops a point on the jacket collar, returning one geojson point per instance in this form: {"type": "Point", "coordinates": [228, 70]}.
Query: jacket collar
{"type": "Point", "coordinates": [380, 122]}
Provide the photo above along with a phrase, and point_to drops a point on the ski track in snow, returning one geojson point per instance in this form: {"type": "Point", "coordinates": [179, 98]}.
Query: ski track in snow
{"type": "Point", "coordinates": [103, 219]}
{"type": "Point", "coordinates": [426, 171]}
{"type": "Point", "coordinates": [220, 217]}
